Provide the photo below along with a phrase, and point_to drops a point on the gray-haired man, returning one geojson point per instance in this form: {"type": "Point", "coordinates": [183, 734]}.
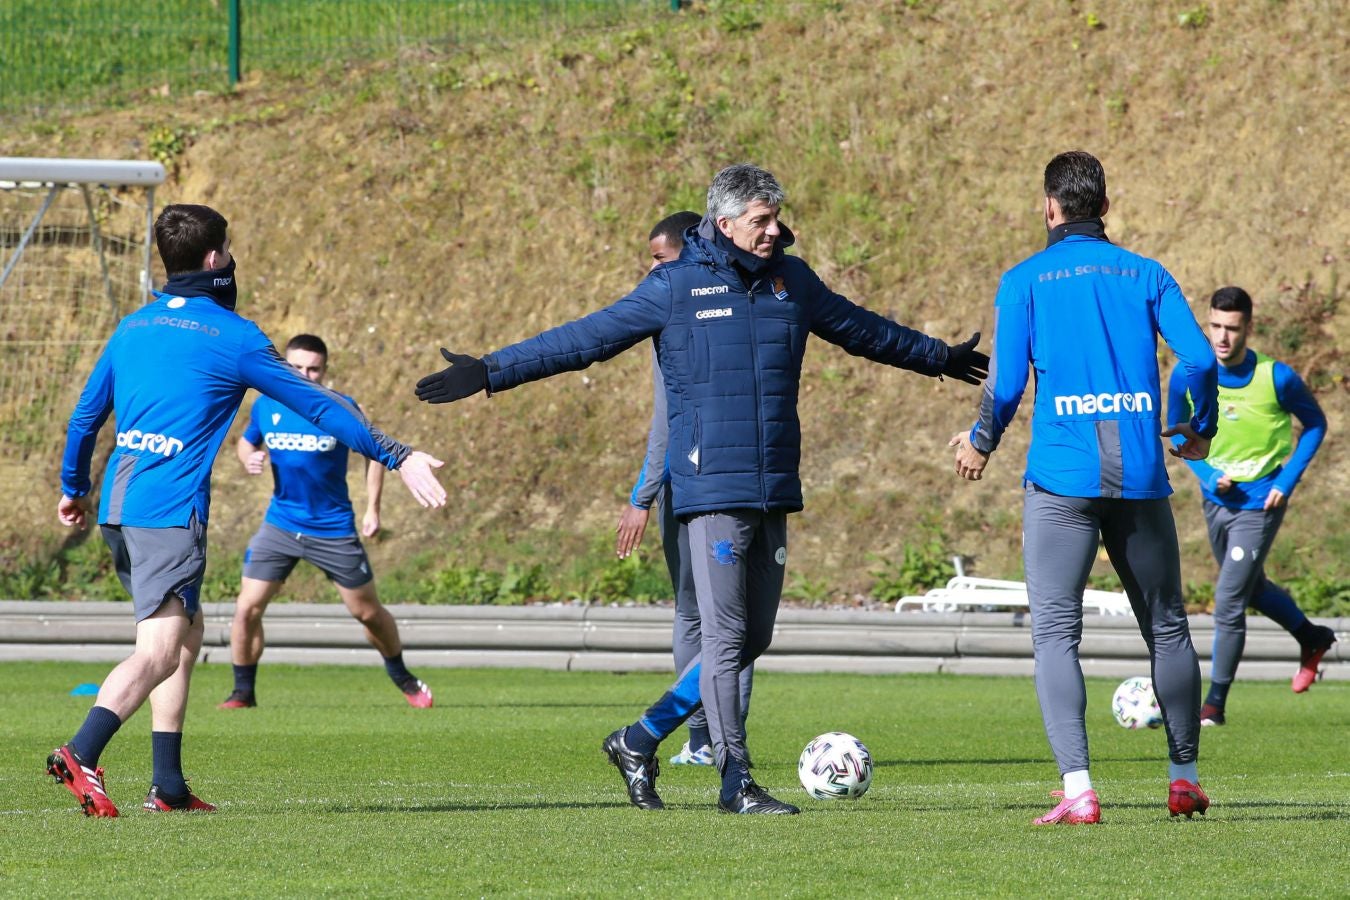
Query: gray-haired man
{"type": "Point", "coordinates": [731, 317]}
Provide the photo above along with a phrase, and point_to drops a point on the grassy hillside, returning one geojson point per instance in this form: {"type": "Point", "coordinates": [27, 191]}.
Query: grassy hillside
{"type": "Point", "coordinates": [471, 199]}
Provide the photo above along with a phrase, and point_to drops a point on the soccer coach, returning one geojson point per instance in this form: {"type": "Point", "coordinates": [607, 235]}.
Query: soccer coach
{"type": "Point", "coordinates": [731, 318]}
{"type": "Point", "coordinates": [1086, 315]}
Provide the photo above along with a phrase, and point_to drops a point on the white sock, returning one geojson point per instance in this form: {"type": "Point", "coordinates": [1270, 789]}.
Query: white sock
{"type": "Point", "coordinates": [1184, 771]}
{"type": "Point", "coordinates": [1076, 783]}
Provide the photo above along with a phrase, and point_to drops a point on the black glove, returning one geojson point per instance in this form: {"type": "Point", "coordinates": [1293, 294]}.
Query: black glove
{"type": "Point", "coordinates": [965, 363]}
{"type": "Point", "coordinates": [465, 377]}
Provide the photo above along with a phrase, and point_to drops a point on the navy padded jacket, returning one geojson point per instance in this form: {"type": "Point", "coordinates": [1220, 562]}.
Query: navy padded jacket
{"type": "Point", "coordinates": [732, 360]}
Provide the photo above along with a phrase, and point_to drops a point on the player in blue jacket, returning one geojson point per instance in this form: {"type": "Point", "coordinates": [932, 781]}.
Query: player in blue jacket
{"type": "Point", "coordinates": [1085, 314]}
{"type": "Point", "coordinates": [665, 242]}
{"type": "Point", "coordinates": [310, 518]}
{"type": "Point", "coordinates": [1252, 469]}
{"type": "Point", "coordinates": [173, 374]}
{"type": "Point", "coordinates": [731, 319]}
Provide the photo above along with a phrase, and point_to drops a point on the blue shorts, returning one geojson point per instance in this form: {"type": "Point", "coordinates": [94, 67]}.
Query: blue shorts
{"type": "Point", "coordinates": [155, 564]}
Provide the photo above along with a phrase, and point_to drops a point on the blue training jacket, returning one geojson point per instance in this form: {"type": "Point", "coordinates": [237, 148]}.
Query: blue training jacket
{"type": "Point", "coordinates": [731, 357]}
{"type": "Point", "coordinates": [1085, 314]}
{"type": "Point", "coordinates": [174, 373]}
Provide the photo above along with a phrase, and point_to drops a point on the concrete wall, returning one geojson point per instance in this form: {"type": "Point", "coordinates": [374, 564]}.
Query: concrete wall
{"type": "Point", "coordinates": [595, 638]}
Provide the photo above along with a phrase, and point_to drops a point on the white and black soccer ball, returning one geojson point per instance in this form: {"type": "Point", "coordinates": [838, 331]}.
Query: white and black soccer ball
{"type": "Point", "coordinates": [835, 766]}
{"type": "Point", "coordinates": [1134, 704]}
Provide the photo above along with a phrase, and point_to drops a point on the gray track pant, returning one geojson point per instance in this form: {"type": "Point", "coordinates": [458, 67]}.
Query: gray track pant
{"type": "Point", "coordinates": [687, 637]}
{"type": "Point", "coordinates": [738, 558]}
{"type": "Point", "coordinates": [1240, 539]}
{"type": "Point", "coordinates": [1060, 537]}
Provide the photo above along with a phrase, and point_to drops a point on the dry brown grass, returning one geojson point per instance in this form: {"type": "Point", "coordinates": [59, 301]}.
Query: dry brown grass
{"type": "Point", "coordinates": [470, 201]}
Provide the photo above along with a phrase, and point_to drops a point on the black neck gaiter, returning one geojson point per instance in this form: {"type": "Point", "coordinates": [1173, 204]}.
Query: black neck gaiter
{"type": "Point", "coordinates": [218, 284]}
{"type": "Point", "coordinates": [1091, 227]}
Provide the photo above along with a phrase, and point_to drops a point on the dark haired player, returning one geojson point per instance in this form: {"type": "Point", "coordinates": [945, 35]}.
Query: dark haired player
{"type": "Point", "coordinates": [310, 518]}
{"type": "Point", "coordinates": [173, 374]}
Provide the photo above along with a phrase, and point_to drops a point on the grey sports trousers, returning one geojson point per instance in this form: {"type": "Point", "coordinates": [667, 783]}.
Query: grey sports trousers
{"type": "Point", "coordinates": [1060, 536]}
{"type": "Point", "coordinates": [1240, 539]}
{"type": "Point", "coordinates": [687, 636]}
{"type": "Point", "coordinates": [739, 557]}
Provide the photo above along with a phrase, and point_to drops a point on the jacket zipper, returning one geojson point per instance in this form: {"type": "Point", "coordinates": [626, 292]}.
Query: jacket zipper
{"type": "Point", "coordinates": [759, 406]}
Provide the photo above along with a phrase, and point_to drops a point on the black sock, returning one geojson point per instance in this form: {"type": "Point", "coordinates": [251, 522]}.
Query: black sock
{"type": "Point", "coordinates": [244, 678]}
{"type": "Point", "coordinates": [398, 672]}
{"type": "Point", "coordinates": [734, 778]}
{"type": "Point", "coordinates": [1310, 635]}
{"type": "Point", "coordinates": [639, 740]}
{"type": "Point", "coordinates": [167, 749]}
{"type": "Point", "coordinates": [1218, 694]}
{"type": "Point", "coordinates": [98, 728]}
{"type": "Point", "coordinates": [699, 737]}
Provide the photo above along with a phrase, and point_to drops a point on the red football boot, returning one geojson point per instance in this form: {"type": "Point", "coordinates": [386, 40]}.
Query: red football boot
{"type": "Point", "coordinates": [155, 803]}
{"type": "Point", "coordinates": [85, 783]}
{"type": "Point", "coordinates": [417, 694]}
{"type": "Point", "coordinates": [1185, 798]}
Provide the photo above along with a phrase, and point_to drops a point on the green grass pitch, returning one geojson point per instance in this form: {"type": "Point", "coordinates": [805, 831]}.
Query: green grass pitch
{"type": "Point", "coordinates": [334, 786]}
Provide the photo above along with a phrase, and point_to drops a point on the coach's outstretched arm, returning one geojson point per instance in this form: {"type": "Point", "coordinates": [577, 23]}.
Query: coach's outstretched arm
{"type": "Point", "coordinates": [268, 373]}
{"type": "Point", "coordinates": [601, 335]}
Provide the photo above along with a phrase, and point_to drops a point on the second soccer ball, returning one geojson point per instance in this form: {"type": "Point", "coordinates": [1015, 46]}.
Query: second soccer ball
{"type": "Point", "coordinates": [1134, 704]}
{"type": "Point", "coordinates": [835, 766]}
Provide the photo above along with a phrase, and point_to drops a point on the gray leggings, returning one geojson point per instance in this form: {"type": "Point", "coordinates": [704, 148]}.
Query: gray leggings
{"type": "Point", "coordinates": [1240, 539]}
{"type": "Point", "coordinates": [687, 639]}
{"type": "Point", "coordinates": [1060, 536]}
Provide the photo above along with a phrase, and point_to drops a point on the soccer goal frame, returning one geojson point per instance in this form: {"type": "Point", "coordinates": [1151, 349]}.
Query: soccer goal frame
{"type": "Point", "coordinates": [82, 174]}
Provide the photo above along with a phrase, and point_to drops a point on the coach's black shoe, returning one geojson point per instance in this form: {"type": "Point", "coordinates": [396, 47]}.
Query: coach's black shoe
{"type": "Point", "coordinates": [639, 772]}
{"type": "Point", "coordinates": [752, 799]}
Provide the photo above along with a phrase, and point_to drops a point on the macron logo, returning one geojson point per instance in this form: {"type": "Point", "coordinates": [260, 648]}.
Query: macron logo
{"type": "Point", "coordinates": [136, 439]}
{"type": "Point", "coordinates": [1091, 404]}
{"type": "Point", "coordinates": [707, 291]}
{"type": "Point", "coordinates": [713, 313]}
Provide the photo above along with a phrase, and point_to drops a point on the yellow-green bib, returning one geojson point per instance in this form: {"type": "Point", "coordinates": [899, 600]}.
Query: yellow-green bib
{"type": "Point", "coordinates": [1255, 435]}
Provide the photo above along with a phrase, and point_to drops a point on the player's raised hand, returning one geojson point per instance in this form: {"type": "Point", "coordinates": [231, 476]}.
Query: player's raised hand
{"type": "Point", "coordinates": [418, 472]}
{"type": "Point", "coordinates": [965, 363]}
{"type": "Point", "coordinates": [253, 465]}
{"type": "Point", "coordinates": [71, 512]}
{"type": "Point", "coordinates": [1194, 446]}
{"type": "Point", "coordinates": [465, 377]}
{"type": "Point", "coordinates": [632, 526]}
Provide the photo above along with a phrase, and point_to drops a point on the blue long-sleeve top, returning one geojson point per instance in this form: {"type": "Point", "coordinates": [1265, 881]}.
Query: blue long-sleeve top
{"type": "Point", "coordinates": [1294, 397]}
{"type": "Point", "coordinates": [174, 373]}
{"type": "Point", "coordinates": [1085, 315]}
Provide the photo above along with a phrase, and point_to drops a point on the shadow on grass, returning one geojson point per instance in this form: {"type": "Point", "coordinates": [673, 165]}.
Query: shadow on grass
{"type": "Point", "coordinates": [1001, 761]}
{"type": "Point", "coordinates": [475, 807]}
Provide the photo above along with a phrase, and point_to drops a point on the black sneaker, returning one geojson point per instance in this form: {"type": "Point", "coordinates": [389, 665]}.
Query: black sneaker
{"type": "Point", "coordinates": [239, 700]}
{"type": "Point", "coordinates": [639, 772]}
{"type": "Point", "coordinates": [752, 798]}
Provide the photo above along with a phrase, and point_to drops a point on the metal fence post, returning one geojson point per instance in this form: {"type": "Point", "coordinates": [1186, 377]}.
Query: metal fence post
{"type": "Point", "coordinates": [234, 42]}
{"type": "Point", "coordinates": [674, 5]}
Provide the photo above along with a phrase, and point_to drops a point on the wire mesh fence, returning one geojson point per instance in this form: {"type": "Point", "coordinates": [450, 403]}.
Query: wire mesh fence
{"type": "Point", "coordinates": [62, 54]}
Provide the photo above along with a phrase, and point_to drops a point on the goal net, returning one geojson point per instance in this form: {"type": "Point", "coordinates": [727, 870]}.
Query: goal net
{"type": "Point", "coordinates": [74, 258]}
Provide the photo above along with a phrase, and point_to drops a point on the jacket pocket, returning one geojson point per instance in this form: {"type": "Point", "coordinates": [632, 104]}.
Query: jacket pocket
{"type": "Point", "coordinates": [696, 445]}
{"type": "Point", "coordinates": [698, 351]}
